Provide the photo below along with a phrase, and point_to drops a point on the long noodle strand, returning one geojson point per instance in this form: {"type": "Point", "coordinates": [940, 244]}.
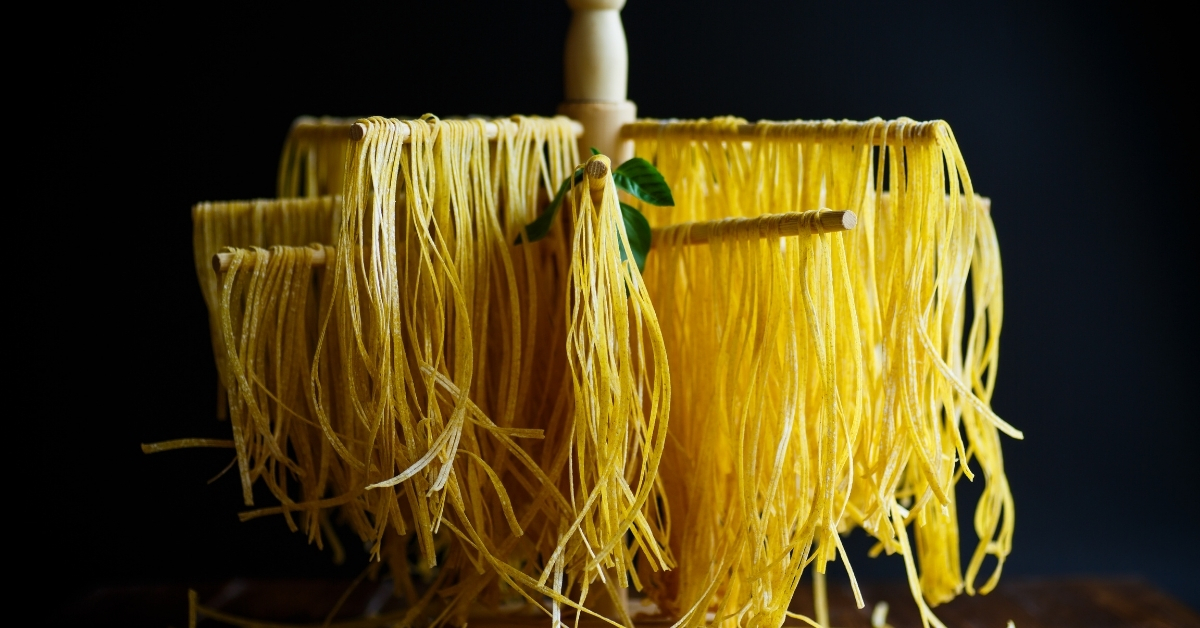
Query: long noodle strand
{"type": "Point", "coordinates": [314, 156]}
{"type": "Point", "coordinates": [498, 423]}
{"type": "Point", "coordinates": [257, 223]}
{"type": "Point", "coordinates": [890, 400]}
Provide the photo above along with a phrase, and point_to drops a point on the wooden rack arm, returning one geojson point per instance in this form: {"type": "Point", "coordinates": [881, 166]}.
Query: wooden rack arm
{"type": "Point", "coordinates": [789, 224]}
{"type": "Point", "coordinates": [358, 130]}
{"type": "Point", "coordinates": [653, 129]}
{"type": "Point", "coordinates": [222, 260]}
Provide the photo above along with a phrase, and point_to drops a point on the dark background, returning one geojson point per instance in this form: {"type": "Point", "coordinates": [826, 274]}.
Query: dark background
{"type": "Point", "coordinates": [1072, 121]}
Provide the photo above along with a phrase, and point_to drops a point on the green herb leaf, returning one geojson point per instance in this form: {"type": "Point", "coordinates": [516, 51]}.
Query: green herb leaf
{"type": "Point", "coordinates": [641, 179]}
{"type": "Point", "coordinates": [540, 228]}
{"type": "Point", "coordinates": [637, 228]}
{"type": "Point", "coordinates": [594, 151]}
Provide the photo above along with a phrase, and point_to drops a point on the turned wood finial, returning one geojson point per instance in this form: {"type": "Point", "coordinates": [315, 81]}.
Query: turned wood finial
{"type": "Point", "coordinates": [596, 77]}
{"type": "Point", "coordinates": [596, 60]}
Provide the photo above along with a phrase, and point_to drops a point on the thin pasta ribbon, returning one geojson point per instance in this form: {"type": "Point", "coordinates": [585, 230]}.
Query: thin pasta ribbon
{"type": "Point", "coordinates": [541, 425]}
{"type": "Point", "coordinates": [892, 383]}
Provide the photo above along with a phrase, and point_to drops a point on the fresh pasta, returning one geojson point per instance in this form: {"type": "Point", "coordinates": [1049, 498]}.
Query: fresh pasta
{"type": "Point", "coordinates": [843, 353]}
{"type": "Point", "coordinates": [314, 157]}
{"type": "Point", "coordinates": [242, 224]}
{"type": "Point", "coordinates": [541, 426]}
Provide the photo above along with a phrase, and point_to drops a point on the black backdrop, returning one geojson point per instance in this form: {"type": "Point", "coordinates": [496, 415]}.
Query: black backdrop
{"type": "Point", "coordinates": [1071, 121]}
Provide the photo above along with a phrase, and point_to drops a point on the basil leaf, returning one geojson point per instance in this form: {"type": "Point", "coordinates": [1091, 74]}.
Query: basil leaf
{"type": "Point", "coordinates": [540, 228]}
{"type": "Point", "coordinates": [637, 229]}
{"type": "Point", "coordinates": [641, 179]}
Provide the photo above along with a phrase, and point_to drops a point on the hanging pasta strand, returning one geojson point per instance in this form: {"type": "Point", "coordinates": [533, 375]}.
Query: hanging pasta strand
{"type": "Point", "coordinates": [258, 223]}
{"type": "Point", "coordinates": [620, 401]}
{"type": "Point", "coordinates": [397, 396]}
{"type": "Point", "coordinates": [426, 286]}
{"type": "Point", "coordinates": [907, 408]}
{"type": "Point", "coordinates": [526, 368]}
{"type": "Point", "coordinates": [761, 450]}
{"type": "Point", "coordinates": [314, 157]}
{"type": "Point", "coordinates": [501, 418]}
{"type": "Point", "coordinates": [267, 314]}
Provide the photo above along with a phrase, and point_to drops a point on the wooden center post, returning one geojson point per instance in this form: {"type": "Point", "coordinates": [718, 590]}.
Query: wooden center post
{"type": "Point", "coordinates": [596, 77]}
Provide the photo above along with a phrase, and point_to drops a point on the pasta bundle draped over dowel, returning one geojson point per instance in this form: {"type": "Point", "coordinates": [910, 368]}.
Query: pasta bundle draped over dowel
{"type": "Point", "coordinates": [490, 414]}
{"type": "Point", "coordinates": [824, 383]}
{"type": "Point", "coordinates": [496, 420]}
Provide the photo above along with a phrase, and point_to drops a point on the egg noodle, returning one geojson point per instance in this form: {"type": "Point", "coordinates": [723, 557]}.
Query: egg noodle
{"type": "Point", "coordinates": [497, 422]}
{"type": "Point", "coordinates": [257, 223]}
{"type": "Point", "coordinates": [314, 157]}
{"type": "Point", "coordinates": [824, 383]}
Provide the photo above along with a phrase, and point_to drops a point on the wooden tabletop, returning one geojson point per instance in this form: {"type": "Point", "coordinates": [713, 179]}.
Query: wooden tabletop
{"type": "Point", "coordinates": [1093, 603]}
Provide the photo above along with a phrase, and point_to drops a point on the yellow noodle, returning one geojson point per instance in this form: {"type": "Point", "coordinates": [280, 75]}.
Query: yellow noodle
{"type": "Point", "coordinates": [268, 316]}
{"type": "Point", "coordinates": [621, 398]}
{"type": "Point", "coordinates": [504, 408]}
{"type": "Point", "coordinates": [314, 157]}
{"type": "Point", "coordinates": [261, 223]}
{"type": "Point", "coordinates": [435, 309]}
{"type": "Point", "coordinates": [398, 400]}
{"type": "Point", "coordinates": [902, 399]}
{"type": "Point", "coordinates": [181, 443]}
{"type": "Point", "coordinates": [363, 404]}
{"type": "Point", "coordinates": [758, 452]}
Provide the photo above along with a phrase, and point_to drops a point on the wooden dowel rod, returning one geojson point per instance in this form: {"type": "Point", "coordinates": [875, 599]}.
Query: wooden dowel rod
{"type": "Point", "coordinates": [221, 261]}
{"type": "Point", "coordinates": [649, 130]}
{"type": "Point", "coordinates": [358, 130]}
{"type": "Point", "coordinates": [790, 224]}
